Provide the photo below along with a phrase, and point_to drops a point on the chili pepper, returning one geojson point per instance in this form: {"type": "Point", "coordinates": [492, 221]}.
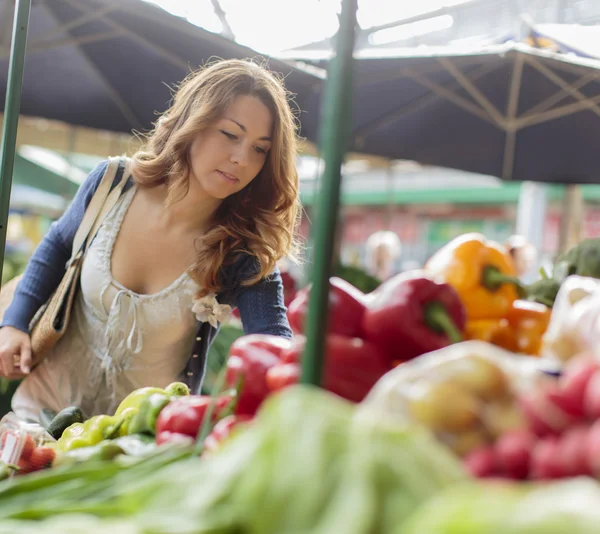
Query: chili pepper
{"type": "Point", "coordinates": [352, 366]}
{"type": "Point", "coordinates": [222, 430]}
{"type": "Point", "coordinates": [250, 357]}
{"type": "Point", "coordinates": [186, 415]}
{"type": "Point", "coordinates": [482, 272]}
{"type": "Point", "coordinates": [411, 314]}
{"type": "Point", "coordinates": [144, 420]}
{"type": "Point", "coordinates": [521, 331]}
{"type": "Point", "coordinates": [346, 309]}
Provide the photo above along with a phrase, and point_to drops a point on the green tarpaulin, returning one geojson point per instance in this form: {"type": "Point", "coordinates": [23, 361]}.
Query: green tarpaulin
{"type": "Point", "coordinates": [33, 175]}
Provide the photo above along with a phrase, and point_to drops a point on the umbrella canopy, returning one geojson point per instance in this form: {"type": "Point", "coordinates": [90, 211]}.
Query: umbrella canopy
{"type": "Point", "coordinates": [568, 38]}
{"type": "Point", "coordinates": [108, 64]}
{"type": "Point", "coordinates": [510, 111]}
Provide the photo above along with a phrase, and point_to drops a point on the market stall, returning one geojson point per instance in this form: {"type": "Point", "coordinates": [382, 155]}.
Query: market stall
{"type": "Point", "coordinates": [451, 399]}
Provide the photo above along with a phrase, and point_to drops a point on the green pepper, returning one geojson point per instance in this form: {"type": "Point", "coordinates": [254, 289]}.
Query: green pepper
{"type": "Point", "coordinates": [177, 389]}
{"type": "Point", "coordinates": [92, 432]}
{"type": "Point", "coordinates": [144, 422]}
{"type": "Point", "coordinates": [127, 417]}
{"type": "Point", "coordinates": [135, 398]}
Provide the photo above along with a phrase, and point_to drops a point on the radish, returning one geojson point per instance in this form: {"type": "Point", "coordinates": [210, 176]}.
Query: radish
{"type": "Point", "coordinates": [591, 401]}
{"type": "Point", "coordinates": [544, 459]}
{"type": "Point", "coordinates": [513, 453]}
{"type": "Point", "coordinates": [481, 462]}
{"type": "Point", "coordinates": [593, 449]}
{"type": "Point", "coordinates": [575, 378]}
{"type": "Point", "coordinates": [543, 414]}
{"type": "Point", "coordinates": [570, 405]}
{"type": "Point", "coordinates": [573, 452]}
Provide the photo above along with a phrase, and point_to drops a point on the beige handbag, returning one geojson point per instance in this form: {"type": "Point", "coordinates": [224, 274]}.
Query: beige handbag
{"type": "Point", "coordinates": [51, 321]}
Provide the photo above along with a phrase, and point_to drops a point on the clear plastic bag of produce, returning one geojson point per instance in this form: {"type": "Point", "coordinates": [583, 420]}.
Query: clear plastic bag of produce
{"type": "Point", "coordinates": [575, 324]}
{"type": "Point", "coordinates": [18, 439]}
{"type": "Point", "coordinates": [466, 394]}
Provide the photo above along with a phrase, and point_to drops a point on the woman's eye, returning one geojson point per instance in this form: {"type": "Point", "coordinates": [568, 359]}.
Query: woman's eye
{"type": "Point", "coordinates": [229, 135]}
{"type": "Point", "coordinates": [261, 150]}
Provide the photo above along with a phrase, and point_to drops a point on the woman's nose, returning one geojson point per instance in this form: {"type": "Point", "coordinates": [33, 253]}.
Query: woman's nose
{"type": "Point", "coordinates": [240, 156]}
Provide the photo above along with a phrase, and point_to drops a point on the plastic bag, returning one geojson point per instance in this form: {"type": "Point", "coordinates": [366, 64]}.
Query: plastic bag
{"type": "Point", "coordinates": [18, 439]}
{"type": "Point", "coordinates": [575, 324]}
{"type": "Point", "coordinates": [466, 394]}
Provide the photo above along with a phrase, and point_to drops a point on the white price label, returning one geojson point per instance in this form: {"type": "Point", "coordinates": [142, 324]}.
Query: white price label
{"type": "Point", "coordinates": [10, 444]}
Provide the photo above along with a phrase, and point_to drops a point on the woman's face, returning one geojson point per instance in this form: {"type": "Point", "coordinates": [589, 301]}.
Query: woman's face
{"type": "Point", "coordinates": [229, 154]}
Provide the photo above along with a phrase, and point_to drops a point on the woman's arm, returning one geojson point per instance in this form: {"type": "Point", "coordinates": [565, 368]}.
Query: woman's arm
{"type": "Point", "coordinates": [262, 309]}
{"type": "Point", "coordinates": [48, 263]}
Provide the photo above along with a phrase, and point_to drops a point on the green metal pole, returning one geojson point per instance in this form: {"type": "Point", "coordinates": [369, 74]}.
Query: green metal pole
{"type": "Point", "coordinates": [337, 102]}
{"type": "Point", "coordinates": [12, 108]}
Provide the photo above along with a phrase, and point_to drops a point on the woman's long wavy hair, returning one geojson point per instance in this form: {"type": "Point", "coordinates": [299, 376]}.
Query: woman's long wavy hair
{"type": "Point", "coordinates": [261, 219]}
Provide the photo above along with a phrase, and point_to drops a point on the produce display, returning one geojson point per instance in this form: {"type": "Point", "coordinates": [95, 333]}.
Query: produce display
{"type": "Point", "coordinates": [453, 399]}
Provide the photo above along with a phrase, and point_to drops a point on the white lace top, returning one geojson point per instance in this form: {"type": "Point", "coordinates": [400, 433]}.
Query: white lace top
{"type": "Point", "coordinates": [118, 340]}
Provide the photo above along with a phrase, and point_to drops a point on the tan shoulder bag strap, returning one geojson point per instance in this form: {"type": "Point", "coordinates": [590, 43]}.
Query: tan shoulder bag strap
{"type": "Point", "coordinates": [100, 205]}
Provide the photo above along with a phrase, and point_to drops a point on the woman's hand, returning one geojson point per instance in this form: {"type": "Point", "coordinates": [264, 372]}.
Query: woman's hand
{"type": "Point", "coordinates": [15, 353]}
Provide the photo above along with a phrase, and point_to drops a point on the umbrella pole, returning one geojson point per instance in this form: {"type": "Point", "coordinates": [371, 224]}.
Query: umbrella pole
{"type": "Point", "coordinates": [12, 107]}
{"type": "Point", "coordinates": [334, 136]}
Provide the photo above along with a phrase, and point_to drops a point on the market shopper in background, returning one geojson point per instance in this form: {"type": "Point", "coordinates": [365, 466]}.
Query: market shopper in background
{"type": "Point", "coordinates": [211, 208]}
{"type": "Point", "coordinates": [523, 253]}
{"type": "Point", "coordinates": [383, 250]}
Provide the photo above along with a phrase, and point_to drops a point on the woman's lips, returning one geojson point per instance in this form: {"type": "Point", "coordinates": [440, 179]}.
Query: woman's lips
{"type": "Point", "coordinates": [229, 177]}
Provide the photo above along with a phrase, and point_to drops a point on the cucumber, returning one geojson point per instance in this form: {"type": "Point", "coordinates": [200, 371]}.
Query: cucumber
{"type": "Point", "coordinates": [46, 417]}
{"type": "Point", "coordinates": [64, 419]}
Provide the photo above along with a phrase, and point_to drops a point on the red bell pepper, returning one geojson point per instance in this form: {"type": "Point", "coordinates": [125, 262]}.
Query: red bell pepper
{"type": "Point", "coordinates": [222, 431]}
{"type": "Point", "coordinates": [186, 415]}
{"type": "Point", "coordinates": [412, 314]}
{"type": "Point", "coordinates": [282, 375]}
{"type": "Point", "coordinates": [346, 309]}
{"type": "Point", "coordinates": [250, 357]}
{"type": "Point", "coordinates": [352, 366]}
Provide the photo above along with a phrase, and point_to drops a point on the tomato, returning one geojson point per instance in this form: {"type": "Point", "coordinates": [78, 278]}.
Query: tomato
{"type": "Point", "coordinates": [42, 457]}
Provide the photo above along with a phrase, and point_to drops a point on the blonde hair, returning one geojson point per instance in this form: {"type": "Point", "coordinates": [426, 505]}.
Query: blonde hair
{"type": "Point", "coordinates": [260, 220]}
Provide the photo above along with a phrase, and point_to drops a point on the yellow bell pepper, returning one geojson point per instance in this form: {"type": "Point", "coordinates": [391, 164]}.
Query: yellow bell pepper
{"type": "Point", "coordinates": [521, 331]}
{"type": "Point", "coordinates": [482, 272]}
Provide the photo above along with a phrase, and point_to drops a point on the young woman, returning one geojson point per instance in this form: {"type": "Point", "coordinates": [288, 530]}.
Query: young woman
{"type": "Point", "coordinates": [211, 207]}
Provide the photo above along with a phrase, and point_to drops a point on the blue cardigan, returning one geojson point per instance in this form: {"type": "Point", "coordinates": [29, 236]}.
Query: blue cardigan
{"type": "Point", "coordinates": [261, 305]}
